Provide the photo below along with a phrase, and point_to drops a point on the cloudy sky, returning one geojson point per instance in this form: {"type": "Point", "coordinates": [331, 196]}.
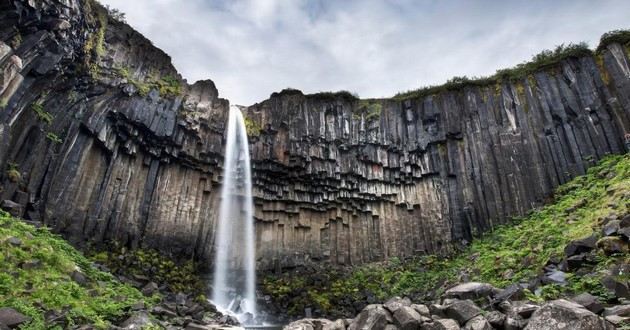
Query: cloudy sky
{"type": "Point", "coordinates": [251, 48]}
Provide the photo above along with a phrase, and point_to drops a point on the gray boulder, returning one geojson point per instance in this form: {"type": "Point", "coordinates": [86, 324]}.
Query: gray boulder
{"type": "Point", "coordinates": [471, 290]}
{"type": "Point", "coordinates": [496, 319]}
{"type": "Point", "coordinates": [589, 302]}
{"type": "Point", "coordinates": [462, 310]}
{"type": "Point", "coordinates": [314, 324]}
{"type": "Point", "coordinates": [407, 318]}
{"type": "Point", "coordinates": [478, 323]}
{"type": "Point", "coordinates": [563, 314]}
{"type": "Point", "coordinates": [441, 324]}
{"type": "Point", "coordinates": [12, 318]}
{"type": "Point", "coordinates": [395, 303]}
{"type": "Point", "coordinates": [138, 320]}
{"type": "Point", "coordinates": [372, 317]}
{"type": "Point", "coordinates": [422, 310]}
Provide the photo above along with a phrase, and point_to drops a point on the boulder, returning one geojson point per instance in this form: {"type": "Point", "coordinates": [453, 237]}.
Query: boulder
{"type": "Point", "coordinates": [12, 318]}
{"type": "Point", "coordinates": [619, 310]}
{"type": "Point", "coordinates": [462, 310]}
{"type": "Point", "coordinates": [611, 228]}
{"type": "Point", "coordinates": [407, 318]}
{"type": "Point", "coordinates": [422, 310]}
{"type": "Point", "coordinates": [512, 323]}
{"type": "Point", "coordinates": [395, 303]}
{"type": "Point", "coordinates": [582, 245]}
{"type": "Point", "coordinates": [149, 289]}
{"type": "Point", "coordinates": [12, 207]}
{"type": "Point", "coordinates": [589, 302]}
{"type": "Point", "coordinates": [478, 323]}
{"type": "Point", "coordinates": [612, 244]}
{"type": "Point", "coordinates": [372, 317]}
{"type": "Point", "coordinates": [563, 314]}
{"type": "Point", "coordinates": [14, 241]}
{"type": "Point", "coordinates": [441, 324]}
{"type": "Point", "coordinates": [616, 286]}
{"type": "Point", "coordinates": [310, 324]}
{"type": "Point", "coordinates": [522, 309]}
{"type": "Point", "coordinates": [471, 290]}
{"type": "Point", "coordinates": [79, 278]}
{"type": "Point", "coordinates": [138, 320]}
{"type": "Point", "coordinates": [496, 319]}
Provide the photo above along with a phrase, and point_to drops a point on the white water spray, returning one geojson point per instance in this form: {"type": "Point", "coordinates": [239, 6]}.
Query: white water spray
{"type": "Point", "coordinates": [235, 266]}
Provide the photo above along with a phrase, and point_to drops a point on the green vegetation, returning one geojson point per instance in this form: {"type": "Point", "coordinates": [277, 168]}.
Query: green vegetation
{"type": "Point", "coordinates": [621, 37]}
{"type": "Point", "coordinates": [37, 277]}
{"type": "Point", "coordinates": [370, 108]}
{"type": "Point", "coordinates": [166, 86]}
{"type": "Point", "coordinates": [542, 61]}
{"type": "Point", "coordinates": [53, 137]}
{"type": "Point", "coordinates": [94, 46]}
{"type": "Point", "coordinates": [510, 254]}
{"type": "Point", "coordinates": [253, 128]}
{"type": "Point", "coordinates": [43, 115]}
{"type": "Point", "coordinates": [13, 173]}
{"type": "Point", "coordinates": [150, 264]}
{"type": "Point", "coordinates": [3, 103]}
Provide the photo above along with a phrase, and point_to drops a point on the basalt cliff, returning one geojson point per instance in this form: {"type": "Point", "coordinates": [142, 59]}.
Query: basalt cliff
{"type": "Point", "coordinates": [102, 139]}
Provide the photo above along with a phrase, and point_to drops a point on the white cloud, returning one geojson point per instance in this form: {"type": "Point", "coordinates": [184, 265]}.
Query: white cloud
{"type": "Point", "coordinates": [251, 48]}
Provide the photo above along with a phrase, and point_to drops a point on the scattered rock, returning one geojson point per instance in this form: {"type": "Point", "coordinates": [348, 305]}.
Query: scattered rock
{"type": "Point", "coordinates": [582, 245]}
{"type": "Point", "coordinates": [79, 278]}
{"type": "Point", "coordinates": [138, 320]}
{"type": "Point", "coordinates": [496, 319]}
{"type": "Point", "coordinates": [14, 241]}
{"type": "Point", "coordinates": [523, 309]}
{"type": "Point", "coordinates": [149, 289]}
{"type": "Point", "coordinates": [395, 303]}
{"type": "Point", "coordinates": [462, 310]}
{"type": "Point", "coordinates": [589, 302]}
{"type": "Point", "coordinates": [611, 228]}
{"type": "Point", "coordinates": [617, 287]}
{"type": "Point", "coordinates": [12, 318]}
{"type": "Point", "coordinates": [309, 324]}
{"type": "Point", "coordinates": [478, 323]}
{"type": "Point", "coordinates": [612, 244]}
{"type": "Point", "coordinates": [407, 318]}
{"type": "Point", "coordinates": [471, 290]}
{"type": "Point", "coordinates": [441, 324]}
{"type": "Point", "coordinates": [372, 317]}
{"type": "Point", "coordinates": [562, 314]}
{"type": "Point", "coordinates": [619, 310]}
{"type": "Point", "coordinates": [423, 310]}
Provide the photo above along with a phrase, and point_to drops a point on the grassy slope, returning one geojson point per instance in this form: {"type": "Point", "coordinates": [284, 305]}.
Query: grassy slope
{"type": "Point", "coordinates": [49, 286]}
{"type": "Point", "coordinates": [512, 253]}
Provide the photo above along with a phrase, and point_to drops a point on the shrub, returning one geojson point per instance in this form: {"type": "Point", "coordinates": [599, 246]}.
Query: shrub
{"type": "Point", "coordinates": [42, 114]}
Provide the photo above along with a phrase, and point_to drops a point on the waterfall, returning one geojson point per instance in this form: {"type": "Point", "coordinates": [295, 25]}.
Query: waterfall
{"type": "Point", "coordinates": [235, 266]}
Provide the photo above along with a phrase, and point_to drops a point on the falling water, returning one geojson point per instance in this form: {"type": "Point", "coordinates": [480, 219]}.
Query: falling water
{"type": "Point", "coordinates": [234, 270]}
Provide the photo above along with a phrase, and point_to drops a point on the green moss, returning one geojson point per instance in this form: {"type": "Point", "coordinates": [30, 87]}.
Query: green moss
{"type": "Point", "coordinates": [512, 253]}
{"type": "Point", "coordinates": [53, 137]}
{"type": "Point", "coordinates": [43, 115]}
{"type": "Point", "coordinates": [47, 285]}
{"type": "Point", "coordinates": [621, 37]}
{"type": "Point", "coordinates": [371, 109]}
{"type": "Point", "coordinates": [253, 128]}
{"type": "Point", "coordinates": [13, 173]}
{"type": "Point", "coordinates": [3, 103]}
{"type": "Point", "coordinates": [179, 277]}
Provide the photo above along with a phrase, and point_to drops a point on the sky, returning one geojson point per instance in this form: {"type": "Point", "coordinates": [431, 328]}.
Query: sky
{"type": "Point", "coordinates": [374, 48]}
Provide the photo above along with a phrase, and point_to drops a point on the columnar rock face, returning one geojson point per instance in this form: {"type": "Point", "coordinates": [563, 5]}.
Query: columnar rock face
{"type": "Point", "coordinates": [102, 140]}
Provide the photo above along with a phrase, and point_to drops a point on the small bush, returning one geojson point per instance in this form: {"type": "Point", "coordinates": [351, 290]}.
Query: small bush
{"type": "Point", "coordinates": [621, 37]}
{"type": "Point", "coordinates": [54, 138]}
{"type": "Point", "coordinates": [13, 173]}
{"type": "Point", "coordinates": [42, 114]}
{"type": "Point", "coordinates": [252, 127]}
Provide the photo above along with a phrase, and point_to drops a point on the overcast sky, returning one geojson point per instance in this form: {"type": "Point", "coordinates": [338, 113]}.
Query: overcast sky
{"type": "Point", "coordinates": [251, 48]}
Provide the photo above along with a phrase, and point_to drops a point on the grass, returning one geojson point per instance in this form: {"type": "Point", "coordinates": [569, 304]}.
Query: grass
{"type": "Point", "coordinates": [167, 86]}
{"type": "Point", "coordinates": [13, 173]}
{"type": "Point", "coordinates": [542, 61]}
{"type": "Point", "coordinates": [42, 114]}
{"type": "Point", "coordinates": [53, 138]}
{"type": "Point", "coordinates": [621, 37]}
{"type": "Point", "coordinates": [510, 254]}
{"type": "Point", "coordinates": [35, 279]}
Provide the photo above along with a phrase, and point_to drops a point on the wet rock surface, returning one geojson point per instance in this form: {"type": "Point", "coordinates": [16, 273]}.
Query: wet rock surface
{"type": "Point", "coordinates": [109, 143]}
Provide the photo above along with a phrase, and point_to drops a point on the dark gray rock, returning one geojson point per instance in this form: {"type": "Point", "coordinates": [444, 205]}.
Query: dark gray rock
{"type": "Point", "coordinates": [589, 302]}
{"type": "Point", "coordinates": [471, 290]}
{"type": "Point", "coordinates": [14, 241]}
{"type": "Point", "coordinates": [79, 278]}
{"type": "Point", "coordinates": [372, 317]}
{"type": "Point", "coordinates": [138, 320]}
{"type": "Point", "coordinates": [496, 319]}
{"type": "Point", "coordinates": [582, 245]}
{"type": "Point", "coordinates": [12, 318]}
{"type": "Point", "coordinates": [611, 245]}
{"type": "Point", "coordinates": [478, 323]}
{"type": "Point", "coordinates": [564, 315]}
{"type": "Point", "coordinates": [406, 318]}
{"type": "Point", "coordinates": [149, 289]}
{"type": "Point", "coordinates": [422, 309]}
{"type": "Point", "coordinates": [462, 310]}
{"type": "Point", "coordinates": [611, 228]}
{"type": "Point", "coordinates": [441, 324]}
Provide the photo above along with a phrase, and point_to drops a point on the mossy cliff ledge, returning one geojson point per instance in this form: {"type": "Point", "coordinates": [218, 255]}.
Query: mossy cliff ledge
{"type": "Point", "coordinates": [102, 140]}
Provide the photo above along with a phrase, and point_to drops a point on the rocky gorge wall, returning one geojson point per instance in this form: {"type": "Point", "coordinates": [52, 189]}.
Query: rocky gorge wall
{"type": "Point", "coordinates": [103, 140]}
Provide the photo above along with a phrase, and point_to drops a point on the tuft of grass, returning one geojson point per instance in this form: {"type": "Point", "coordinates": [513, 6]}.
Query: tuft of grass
{"type": "Point", "coordinates": [512, 253]}
{"type": "Point", "coordinates": [35, 278]}
{"type": "Point", "coordinates": [54, 138]}
{"type": "Point", "coordinates": [43, 115]}
{"type": "Point", "coordinates": [13, 173]}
